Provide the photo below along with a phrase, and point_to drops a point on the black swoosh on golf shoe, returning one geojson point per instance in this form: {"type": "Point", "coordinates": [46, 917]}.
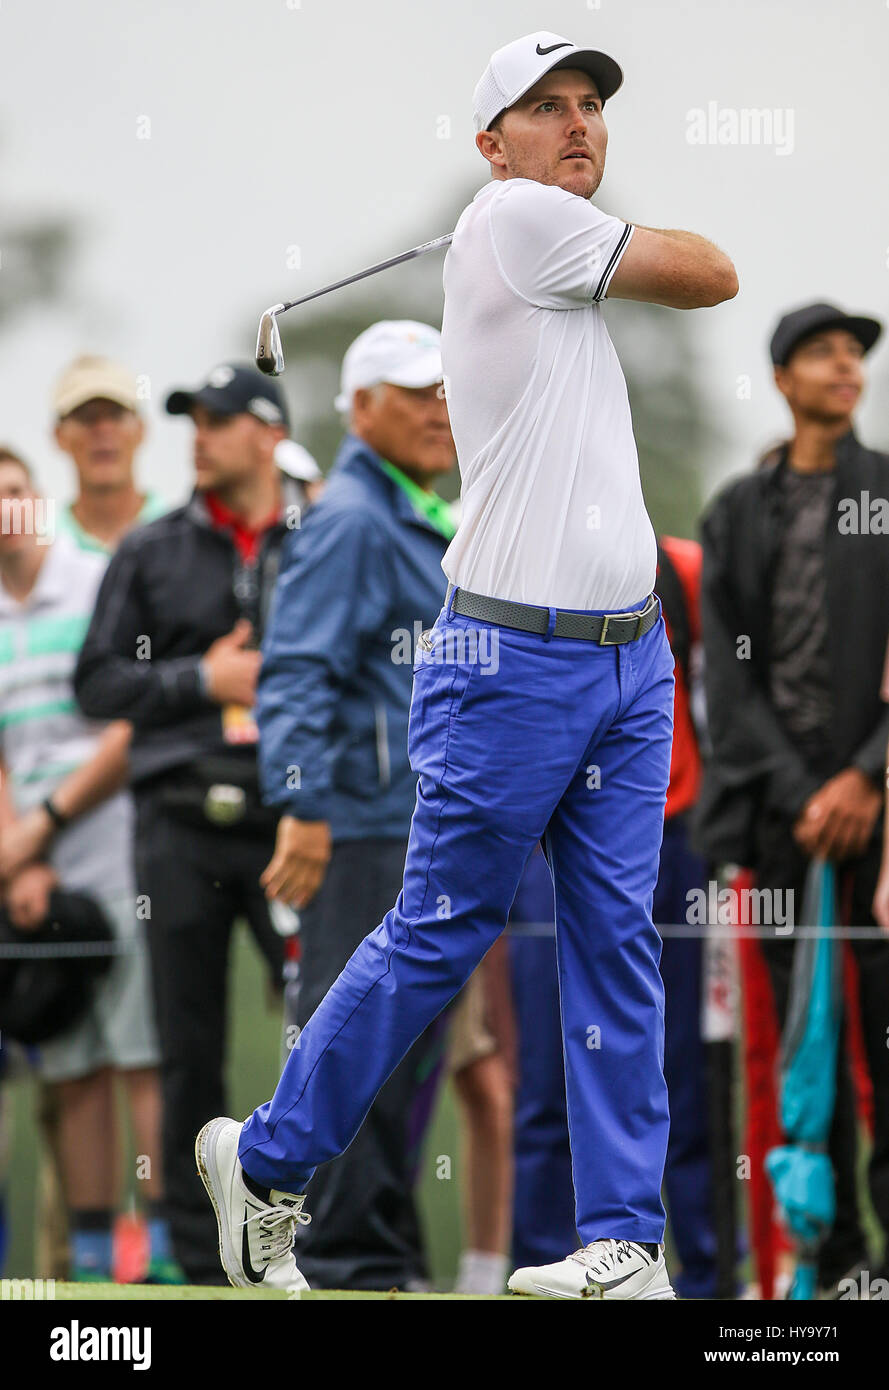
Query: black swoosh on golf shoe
{"type": "Point", "coordinates": [251, 1273]}
{"type": "Point", "coordinates": [552, 48]}
{"type": "Point", "coordinates": [611, 1283]}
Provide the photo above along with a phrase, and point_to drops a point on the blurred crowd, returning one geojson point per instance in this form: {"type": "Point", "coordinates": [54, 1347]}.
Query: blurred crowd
{"type": "Point", "coordinates": [203, 720]}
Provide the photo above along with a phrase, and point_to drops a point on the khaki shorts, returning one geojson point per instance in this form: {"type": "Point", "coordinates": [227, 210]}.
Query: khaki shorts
{"type": "Point", "coordinates": [118, 1029]}
{"type": "Point", "coordinates": [471, 1039]}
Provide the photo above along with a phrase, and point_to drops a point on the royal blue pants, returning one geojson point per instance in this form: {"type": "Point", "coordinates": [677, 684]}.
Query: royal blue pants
{"type": "Point", "coordinates": [544, 1224]}
{"type": "Point", "coordinates": [514, 738]}
{"type": "Point", "coordinates": [543, 1210]}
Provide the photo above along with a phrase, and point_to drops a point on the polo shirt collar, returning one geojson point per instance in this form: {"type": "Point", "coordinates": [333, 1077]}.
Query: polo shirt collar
{"type": "Point", "coordinates": [356, 457]}
{"type": "Point", "coordinates": [52, 582]}
{"type": "Point", "coordinates": [433, 508]}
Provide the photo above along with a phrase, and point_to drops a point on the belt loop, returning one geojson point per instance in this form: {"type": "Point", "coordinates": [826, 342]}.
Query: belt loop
{"type": "Point", "coordinates": [449, 602]}
{"type": "Point", "coordinates": [551, 625]}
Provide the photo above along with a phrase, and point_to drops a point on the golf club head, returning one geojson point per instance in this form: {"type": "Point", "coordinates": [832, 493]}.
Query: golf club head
{"type": "Point", "coordinates": [269, 352]}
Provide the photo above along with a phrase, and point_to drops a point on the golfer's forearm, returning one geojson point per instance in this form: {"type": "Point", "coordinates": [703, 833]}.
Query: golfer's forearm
{"type": "Point", "coordinates": [677, 234]}
{"type": "Point", "coordinates": [104, 774]}
{"type": "Point", "coordinates": [677, 269]}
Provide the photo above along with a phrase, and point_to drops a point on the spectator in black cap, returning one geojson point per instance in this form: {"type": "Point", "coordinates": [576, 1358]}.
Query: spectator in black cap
{"type": "Point", "coordinates": [173, 647]}
{"type": "Point", "coordinates": [795, 618]}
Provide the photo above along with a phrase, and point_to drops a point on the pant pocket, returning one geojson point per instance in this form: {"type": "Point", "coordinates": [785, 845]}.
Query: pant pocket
{"type": "Point", "coordinates": [438, 694]}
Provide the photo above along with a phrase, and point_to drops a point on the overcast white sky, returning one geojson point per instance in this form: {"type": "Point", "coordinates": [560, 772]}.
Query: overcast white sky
{"type": "Point", "coordinates": [276, 123]}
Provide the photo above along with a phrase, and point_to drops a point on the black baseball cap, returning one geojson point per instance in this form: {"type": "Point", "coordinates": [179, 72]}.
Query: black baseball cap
{"type": "Point", "coordinates": [818, 318]}
{"type": "Point", "coordinates": [233, 388]}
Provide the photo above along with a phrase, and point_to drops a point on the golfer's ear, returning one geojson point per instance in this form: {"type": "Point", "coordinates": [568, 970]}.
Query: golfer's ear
{"type": "Point", "coordinates": [490, 147]}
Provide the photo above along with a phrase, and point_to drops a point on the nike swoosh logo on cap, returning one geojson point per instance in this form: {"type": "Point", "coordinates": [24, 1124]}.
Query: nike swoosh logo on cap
{"type": "Point", "coordinates": [552, 48]}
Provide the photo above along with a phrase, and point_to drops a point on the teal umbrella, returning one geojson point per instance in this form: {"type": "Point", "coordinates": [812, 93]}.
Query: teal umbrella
{"type": "Point", "coordinates": [800, 1170]}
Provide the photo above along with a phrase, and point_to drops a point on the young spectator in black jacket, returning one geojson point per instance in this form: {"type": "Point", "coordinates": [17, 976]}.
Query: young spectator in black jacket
{"type": "Point", "coordinates": [795, 618]}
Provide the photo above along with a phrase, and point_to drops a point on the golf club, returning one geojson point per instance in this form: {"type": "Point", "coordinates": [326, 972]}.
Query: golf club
{"type": "Point", "coordinates": [270, 353]}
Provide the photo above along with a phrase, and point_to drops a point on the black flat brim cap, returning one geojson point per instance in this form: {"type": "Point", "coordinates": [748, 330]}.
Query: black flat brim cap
{"type": "Point", "coordinates": [795, 328]}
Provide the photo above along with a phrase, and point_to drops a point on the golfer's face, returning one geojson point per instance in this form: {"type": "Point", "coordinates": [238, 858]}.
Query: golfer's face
{"type": "Point", "coordinates": [556, 134]}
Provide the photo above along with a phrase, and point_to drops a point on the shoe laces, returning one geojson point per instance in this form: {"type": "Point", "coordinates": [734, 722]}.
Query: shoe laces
{"type": "Point", "coordinates": [276, 1227]}
{"type": "Point", "coordinates": [602, 1255]}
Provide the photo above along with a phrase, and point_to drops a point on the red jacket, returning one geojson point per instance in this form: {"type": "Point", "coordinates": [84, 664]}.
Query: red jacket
{"type": "Point", "coordinates": [685, 767]}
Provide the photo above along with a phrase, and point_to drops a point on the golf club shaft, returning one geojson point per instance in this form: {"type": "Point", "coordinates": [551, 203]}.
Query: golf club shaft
{"type": "Point", "coordinates": [371, 270]}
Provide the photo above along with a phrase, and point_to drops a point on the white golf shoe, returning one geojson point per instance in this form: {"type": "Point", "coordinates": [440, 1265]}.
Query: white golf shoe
{"type": "Point", "coordinates": [604, 1269]}
{"type": "Point", "coordinates": [255, 1236]}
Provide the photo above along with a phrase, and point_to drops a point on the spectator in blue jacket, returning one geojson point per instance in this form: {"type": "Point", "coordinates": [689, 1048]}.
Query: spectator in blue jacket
{"type": "Point", "coordinates": [358, 583]}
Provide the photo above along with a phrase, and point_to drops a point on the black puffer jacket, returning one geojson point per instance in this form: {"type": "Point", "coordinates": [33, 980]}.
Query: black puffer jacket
{"type": "Point", "coordinates": [754, 766]}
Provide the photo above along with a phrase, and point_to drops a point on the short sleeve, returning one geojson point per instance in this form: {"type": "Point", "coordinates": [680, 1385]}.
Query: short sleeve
{"type": "Point", "coordinates": [553, 248]}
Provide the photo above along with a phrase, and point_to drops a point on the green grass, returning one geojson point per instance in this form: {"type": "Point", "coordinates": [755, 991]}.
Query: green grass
{"type": "Point", "coordinates": [141, 1293]}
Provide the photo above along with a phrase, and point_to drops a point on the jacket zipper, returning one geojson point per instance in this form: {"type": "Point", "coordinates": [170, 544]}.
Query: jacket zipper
{"type": "Point", "coordinates": [382, 736]}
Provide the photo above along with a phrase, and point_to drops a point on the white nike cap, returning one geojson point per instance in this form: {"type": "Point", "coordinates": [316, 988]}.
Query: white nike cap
{"type": "Point", "coordinates": [513, 70]}
{"type": "Point", "coordinates": [399, 351]}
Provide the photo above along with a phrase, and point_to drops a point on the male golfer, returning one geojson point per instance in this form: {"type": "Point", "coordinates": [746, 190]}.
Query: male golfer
{"type": "Point", "coordinates": [565, 737]}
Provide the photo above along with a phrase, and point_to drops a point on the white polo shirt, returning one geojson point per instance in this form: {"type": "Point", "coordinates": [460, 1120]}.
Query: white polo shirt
{"type": "Point", "coordinates": [552, 506]}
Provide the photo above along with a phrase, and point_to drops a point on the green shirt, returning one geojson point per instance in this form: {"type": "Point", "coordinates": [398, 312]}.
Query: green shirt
{"type": "Point", "coordinates": [68, 525]}
{"type": "Point", "coordinates": [435, 509]}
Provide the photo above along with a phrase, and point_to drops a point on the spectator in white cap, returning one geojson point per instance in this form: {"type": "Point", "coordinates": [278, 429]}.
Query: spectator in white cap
{"type": "Point", "coordinates": [407, 355]}
{"type": "Point", "coordinates": [398, 351]}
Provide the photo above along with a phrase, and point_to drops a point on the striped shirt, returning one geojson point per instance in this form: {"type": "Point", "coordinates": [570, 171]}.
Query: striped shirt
{"type": "Point", "coordinates": [43, 735]}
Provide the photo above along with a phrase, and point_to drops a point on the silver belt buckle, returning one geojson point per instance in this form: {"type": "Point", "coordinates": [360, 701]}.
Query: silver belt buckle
{"type": "Point", "coordinates": [225, 804]}
{"type": "Point", "coordinates": [640, 617]}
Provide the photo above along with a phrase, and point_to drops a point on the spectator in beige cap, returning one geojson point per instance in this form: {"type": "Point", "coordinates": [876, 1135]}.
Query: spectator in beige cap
{"type": "Point", "coordinates": [98, 424]}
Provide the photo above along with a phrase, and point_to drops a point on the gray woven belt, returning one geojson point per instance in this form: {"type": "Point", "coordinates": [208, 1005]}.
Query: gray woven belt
{"type": "Point", "coordinates": [608, 629]}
